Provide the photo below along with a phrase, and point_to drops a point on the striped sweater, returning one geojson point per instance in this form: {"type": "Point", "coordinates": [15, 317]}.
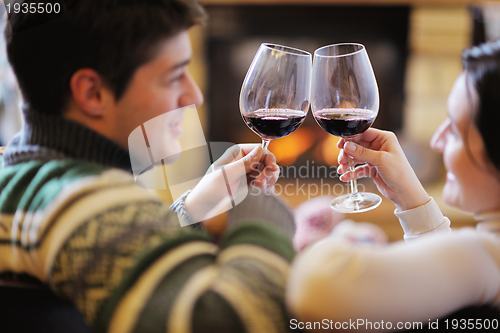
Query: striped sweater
{"type": "Point", "coordinates": [74, 219]}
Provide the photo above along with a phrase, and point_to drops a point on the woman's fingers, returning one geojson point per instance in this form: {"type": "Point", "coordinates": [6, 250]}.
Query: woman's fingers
{"type": "Point", "coordinates": [372, 138]}
{"type": "Point", "coordinates": [340, 143]}
{"type": "Point", "coordinates": [362, 171]}
{"type": "Point", "coordinates": [360, 153]}
{"type": "Point", "coordinates": [343, 160]}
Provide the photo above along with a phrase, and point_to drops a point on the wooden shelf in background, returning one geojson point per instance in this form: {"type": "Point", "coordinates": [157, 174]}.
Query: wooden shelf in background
{"type": "Point", "coordinates": [340, 2]}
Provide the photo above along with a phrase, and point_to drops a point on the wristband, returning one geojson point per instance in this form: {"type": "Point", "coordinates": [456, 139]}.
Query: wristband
{"type": "Point", "coordinates": [179, 208]}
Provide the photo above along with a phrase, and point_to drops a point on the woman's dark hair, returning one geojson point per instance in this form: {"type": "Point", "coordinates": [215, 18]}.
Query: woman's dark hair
{"type": "Point", "coordinates": [482, 68]}
{"type": "Point", "coordinates": [112, 37]}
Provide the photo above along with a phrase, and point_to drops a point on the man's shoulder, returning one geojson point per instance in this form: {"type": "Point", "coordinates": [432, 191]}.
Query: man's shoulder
{"type": "Point", "coordinates": [36, 184]}
{"type": "Point", "coordinates": [61, 197]}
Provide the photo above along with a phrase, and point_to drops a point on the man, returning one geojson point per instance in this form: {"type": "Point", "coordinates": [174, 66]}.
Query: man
{"type": "Point", "coordinates": [71, 216]}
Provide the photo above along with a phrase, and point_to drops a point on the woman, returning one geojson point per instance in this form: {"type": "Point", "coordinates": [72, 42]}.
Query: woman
{"type": "Point", "coordinates": [438, 271]}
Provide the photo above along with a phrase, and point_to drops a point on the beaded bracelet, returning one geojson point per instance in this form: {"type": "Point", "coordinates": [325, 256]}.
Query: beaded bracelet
{"type": "Point", "coordinates": [179, 208]}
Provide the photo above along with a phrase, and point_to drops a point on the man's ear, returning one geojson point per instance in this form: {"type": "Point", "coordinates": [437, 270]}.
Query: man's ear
{"type": "Point", "coordinates": [89, 92]}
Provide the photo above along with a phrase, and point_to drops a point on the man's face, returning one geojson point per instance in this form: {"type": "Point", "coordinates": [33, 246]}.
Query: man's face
{"type": "Point", "coordinates": [157, 87]}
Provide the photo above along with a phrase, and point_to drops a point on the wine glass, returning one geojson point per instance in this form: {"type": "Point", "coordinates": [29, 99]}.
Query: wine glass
{"type": "Point", "coordinates": [275, 95]}
{"type": "Point", "coordinates": [345, 102]}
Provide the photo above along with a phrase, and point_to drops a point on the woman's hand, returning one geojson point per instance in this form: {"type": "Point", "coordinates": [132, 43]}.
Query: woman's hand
{"type": "Point", "coordinates": [238, 168]}
{"type": "Point", "coordinates": [386, 165]}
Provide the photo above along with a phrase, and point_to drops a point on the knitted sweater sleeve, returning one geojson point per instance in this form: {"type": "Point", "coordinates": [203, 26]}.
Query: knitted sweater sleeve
{"type": "Point", "coordinates": [119, 255]}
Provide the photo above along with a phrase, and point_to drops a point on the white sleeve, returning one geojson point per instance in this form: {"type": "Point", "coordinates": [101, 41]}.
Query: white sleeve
{"type": "Point", "coordinates": [423, 219]}
{"type": "Point", "coordinates": [417, 281]}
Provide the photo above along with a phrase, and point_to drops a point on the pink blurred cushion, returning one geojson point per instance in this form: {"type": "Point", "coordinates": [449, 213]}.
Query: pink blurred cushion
{"type": "Point", "coordinates": [314, 219]}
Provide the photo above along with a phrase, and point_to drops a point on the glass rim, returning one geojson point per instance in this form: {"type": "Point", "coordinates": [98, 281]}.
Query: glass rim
{"type": "Point", "coordinates": [286, 49]}
{"type": "Point", "coordinates": [316, 54]}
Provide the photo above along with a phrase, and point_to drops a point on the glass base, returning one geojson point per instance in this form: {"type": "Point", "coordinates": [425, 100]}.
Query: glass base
{"type": "Point", "coordinates": [358, 203]}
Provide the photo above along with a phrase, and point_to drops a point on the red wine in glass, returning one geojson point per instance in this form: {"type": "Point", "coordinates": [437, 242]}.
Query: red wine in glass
{"type": "Point", "coordinates": [275, 94]}
{"type": "Point", "coordinates": [345, 102]}
{"type": "Point", "coordinates": [272, 124]}
{"type": "Point", "coordinates": [345, 122]}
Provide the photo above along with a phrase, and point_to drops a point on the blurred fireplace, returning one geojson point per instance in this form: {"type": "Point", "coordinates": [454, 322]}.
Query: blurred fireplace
{"type": "Point", "coordinates": [234, 34]}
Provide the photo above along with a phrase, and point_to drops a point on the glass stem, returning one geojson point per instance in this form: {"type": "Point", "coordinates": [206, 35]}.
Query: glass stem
{"type": "Point", "coordinates": [355, 196]}
{"type": "Point", "coordinates": [265, 143]}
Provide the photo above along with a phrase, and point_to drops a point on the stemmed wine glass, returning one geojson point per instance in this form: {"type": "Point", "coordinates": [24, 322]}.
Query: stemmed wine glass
{"type": "Point", "coordinates": [275, 95]}
{"type": "Point", "coordinates": [345, 102]}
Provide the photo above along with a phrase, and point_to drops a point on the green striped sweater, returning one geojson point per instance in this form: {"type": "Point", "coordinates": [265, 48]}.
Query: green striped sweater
{"type": "Point", "coordinates": [120, 256]}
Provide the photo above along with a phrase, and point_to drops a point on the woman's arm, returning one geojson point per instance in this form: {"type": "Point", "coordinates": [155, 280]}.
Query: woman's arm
{"type": "Point", "coordinates": [423, 220]}
{"type": "Point", "coordinates": [404, 282]}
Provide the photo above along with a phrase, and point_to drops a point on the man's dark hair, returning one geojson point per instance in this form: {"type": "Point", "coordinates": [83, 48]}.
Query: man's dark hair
{"type": "Point", "coordinates": [112, 37]}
